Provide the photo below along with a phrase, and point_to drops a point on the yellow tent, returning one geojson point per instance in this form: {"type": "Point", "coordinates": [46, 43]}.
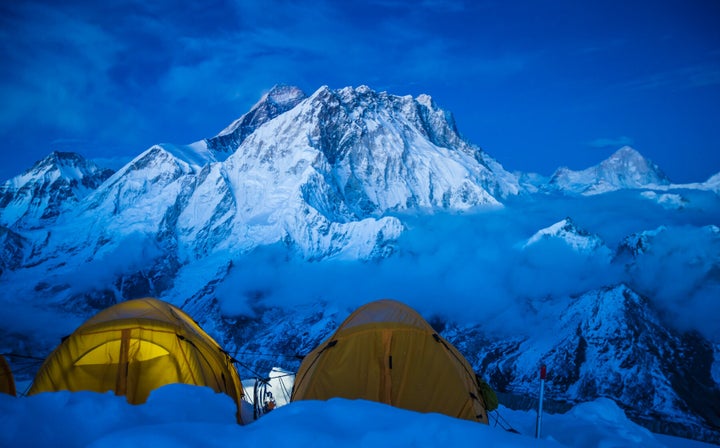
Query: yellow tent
{"type": "Point", "coordinates": [137, 346]}
{"type": "Point", "coordinates": [7, 383]}
{"type": "Point", "coordinates": [387, 352]}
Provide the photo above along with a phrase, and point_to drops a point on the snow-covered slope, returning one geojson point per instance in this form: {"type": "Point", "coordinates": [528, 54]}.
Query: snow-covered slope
{"type": "Point", "coordinates": [626, 168]}
{"type": "Point", "coordinates": [53, 185]}
{"type": "Point", "coordinates": [608, 342]}
{"type": "Point", "coordinates": [183, 415]}
{"type": "Point", "coordinates": [567, 232]}
{"type": "Point", "coordinates": [713, 183]}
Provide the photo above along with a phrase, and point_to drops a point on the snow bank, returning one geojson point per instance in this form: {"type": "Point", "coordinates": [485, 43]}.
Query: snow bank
{"type": "Point", "coordinates": [190, 416]}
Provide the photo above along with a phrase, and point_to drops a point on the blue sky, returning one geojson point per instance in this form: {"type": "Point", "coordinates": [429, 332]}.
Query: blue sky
{"type": "Point", "coordinates": [537, 84]}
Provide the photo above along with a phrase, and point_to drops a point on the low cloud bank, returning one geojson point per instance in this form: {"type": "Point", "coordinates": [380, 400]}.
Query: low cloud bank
{"type": "Point", "coordinates": [472, 268]}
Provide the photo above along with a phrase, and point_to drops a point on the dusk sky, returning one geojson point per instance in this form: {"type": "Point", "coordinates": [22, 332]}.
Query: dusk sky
{"type": "Point", "coordinates": [537, 84]}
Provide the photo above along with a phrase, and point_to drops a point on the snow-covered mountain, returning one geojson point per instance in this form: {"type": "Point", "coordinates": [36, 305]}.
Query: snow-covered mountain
{"type": "Point", "coordinates": [568, 233]}
{"type": "Point", "coordinates": [331, 178]}
{"type": "Point", "coordinates": [318, 175]}
{"type": "Point", "coordinates": [626, 168]}
{"type": "Point", "coordinates": [53, 185]}
{"type": "Point", "coordinates": [610, 343]}
{"type": "Point", "coordinates": [637, 243]}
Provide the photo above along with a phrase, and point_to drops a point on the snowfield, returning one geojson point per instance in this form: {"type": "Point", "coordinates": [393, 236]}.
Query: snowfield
{"type": "Point", "coordinates": [180, 415]}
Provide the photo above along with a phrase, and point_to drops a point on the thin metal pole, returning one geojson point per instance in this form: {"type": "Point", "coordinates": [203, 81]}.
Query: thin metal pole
{"type": "Point", "coordinates": [538, 424]}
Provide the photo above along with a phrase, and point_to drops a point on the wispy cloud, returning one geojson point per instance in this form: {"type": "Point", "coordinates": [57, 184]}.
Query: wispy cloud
{"type": "Point", "coordinates": [470, 267]}
{"type": "Point", "coordinates": [613, 142]}
{"type": "Point", "coordinates": [129, 69]}
{"type": "Point", "coordinates": [695, 76]}
{"type": "Point", "coordinates": [56, 67]}
{"type": "Point", "coordinates": [451, 6]}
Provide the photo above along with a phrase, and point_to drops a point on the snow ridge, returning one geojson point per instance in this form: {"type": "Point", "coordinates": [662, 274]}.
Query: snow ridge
{"type": "Point", "coordinates": [570, 234]}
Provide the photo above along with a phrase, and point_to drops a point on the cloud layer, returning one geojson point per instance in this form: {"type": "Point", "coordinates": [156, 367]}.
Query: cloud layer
{"type": "Point", "coordinates": [472, 268]}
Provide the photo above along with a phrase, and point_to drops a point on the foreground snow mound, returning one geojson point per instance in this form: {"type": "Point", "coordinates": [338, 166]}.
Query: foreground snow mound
{"type": "Point", "coordinates": [183, 415]}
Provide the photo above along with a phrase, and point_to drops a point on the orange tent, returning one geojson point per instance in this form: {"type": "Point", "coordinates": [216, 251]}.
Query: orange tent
{"type": "Point", "coordinates": [7, 383]}
{"type": "Point", "coordinates": [387, 352]}
{"type": "Point", "coordinates": [137, 346]}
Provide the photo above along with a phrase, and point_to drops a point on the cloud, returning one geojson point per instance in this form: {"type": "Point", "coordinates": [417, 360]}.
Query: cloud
{"type": "Point", "coordinates": [680, 272]}
{"type": "Point", "coordinates": [616, 142]}
{"type": "Point", "coordinates": [56, 67]}
{"type": "Point", "coordinates": [466, 267]}
{"type": "Point", "coordinates": [331, 42]}
{"type": "Point", "coordinates": [687, 77]}
{"type": "Point", "coordinates": [469, 268]}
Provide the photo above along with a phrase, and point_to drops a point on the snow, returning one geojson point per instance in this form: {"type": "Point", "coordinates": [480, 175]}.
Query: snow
{"type": "Point", "coordinates": [626, 168]}
{"type": "Point", "coordinates": [566, 231]}
{"type": "Point", "coordinates": [181, 415]}
{"type": "Point", "coordinates": [195, 154]}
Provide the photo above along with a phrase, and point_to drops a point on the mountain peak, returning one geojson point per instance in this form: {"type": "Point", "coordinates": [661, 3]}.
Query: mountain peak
{"type": "Point", "coordinates": [638, 243]}
{"type": "Point", "coordinates": [627, 151]}
{"type": "Point", "coordinates": [626, 168]}
{"type": "Point", "coordinates": [56, 159]}
{"type": "Point", "coordinates": [565, 230]}
{"type": "Point", "coordinates": [426, 100]}
{"type": "Point", "coordinates": [53, 184]}
{"type": "Point", "coordinates": [282, 95]}
{"type": "Point", "coordinates": [629, 160]}
{"type": "Point", "coordinates": [378, 150]}
{"type": "Point", "coordinates": [278, 100]}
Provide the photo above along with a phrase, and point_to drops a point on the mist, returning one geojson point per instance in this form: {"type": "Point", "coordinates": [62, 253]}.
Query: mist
{"type": "Point", "coordinates": [472, 267]}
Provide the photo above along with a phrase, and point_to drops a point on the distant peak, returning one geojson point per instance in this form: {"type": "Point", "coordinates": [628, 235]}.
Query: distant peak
{"type": "Point", "coordinates": [63, 155]}
{"type": "Point", "coordinates": [282, 94]}
{"type": "Point", "coordinates": [58, 157]}
{"type": "Point", "coordinates": [323, 90]}
{"type": "Point", "coordinates": [426, 100]}
{"type": "Point", "coordinates": [575, 237]}
{"type": "Point", "coordinates": [565, 225]}
{"type": "Point", "coordinates": [627, 152]}
{"type": "Point", "coordinates": [627, 159]}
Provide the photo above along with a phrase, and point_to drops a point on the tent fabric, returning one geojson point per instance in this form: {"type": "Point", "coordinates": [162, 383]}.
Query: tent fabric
{"type": "Point", "coordinates": [135, 347]}
{"type": "Point", "coordinates": [7, 383]}
{"type": "Point", "coordinates": [386, 352]}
